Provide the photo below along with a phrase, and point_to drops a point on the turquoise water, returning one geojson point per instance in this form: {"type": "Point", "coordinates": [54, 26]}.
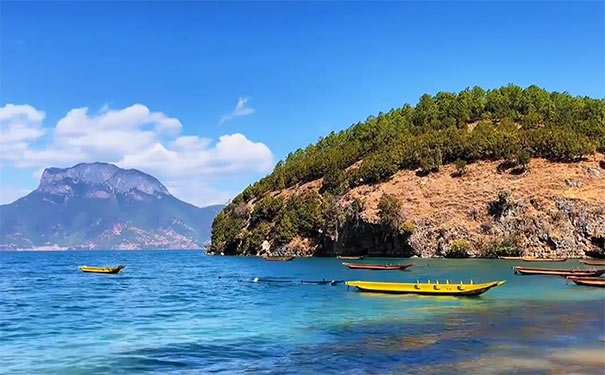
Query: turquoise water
{"type": "Point", "coordinates": [180, 312]}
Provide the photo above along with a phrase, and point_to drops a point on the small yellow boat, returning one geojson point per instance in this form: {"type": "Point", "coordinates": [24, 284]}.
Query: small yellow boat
{"type": "Point", "coordinates": [435, 288]}
{"type": "Point", "coordinates": [116, 269]}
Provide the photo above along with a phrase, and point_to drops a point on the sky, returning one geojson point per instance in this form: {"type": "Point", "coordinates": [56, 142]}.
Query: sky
{"type": "Point", "coordinates": [208, 96]}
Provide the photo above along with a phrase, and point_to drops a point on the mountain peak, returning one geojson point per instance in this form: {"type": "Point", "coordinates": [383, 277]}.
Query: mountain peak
{"type": "Point", "coordinates": [60, 180]}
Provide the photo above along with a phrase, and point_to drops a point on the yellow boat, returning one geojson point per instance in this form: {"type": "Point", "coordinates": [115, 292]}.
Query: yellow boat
{"type": "Point", "coordinates": [116, 269]}
{"type": "Point", "coordinates": [435, 288]}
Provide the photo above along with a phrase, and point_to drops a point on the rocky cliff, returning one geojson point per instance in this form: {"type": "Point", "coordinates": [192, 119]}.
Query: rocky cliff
{"type": "Point", "coordinates": [548, 209]}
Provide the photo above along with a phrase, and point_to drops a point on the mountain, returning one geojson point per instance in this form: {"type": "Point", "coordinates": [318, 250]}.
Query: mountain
{"type": "Point", "coordinates": [101, 206]}
{"type": "Point", "coordinates": [496, 172]}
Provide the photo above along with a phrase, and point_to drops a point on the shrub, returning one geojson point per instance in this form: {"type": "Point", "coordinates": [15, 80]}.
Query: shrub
{"type": "Point", "coordinates": [523, 159]}
{"type": "Point", "coordinates": [389, 212]}
{"type": "Point", "coordinates": [407, 228]}
{"type": "Point", "coordinates": [460, 167]}
{"type": "Point", "coordinates": [502, 205]}
{"type": "Point", "coordinates": [458, 249]}
{"type": "Point", "coordinates": [506, 246]}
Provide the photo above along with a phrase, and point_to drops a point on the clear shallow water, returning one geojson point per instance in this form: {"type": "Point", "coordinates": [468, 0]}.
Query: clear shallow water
{"type": "Point", "coordinates": [169, 312]}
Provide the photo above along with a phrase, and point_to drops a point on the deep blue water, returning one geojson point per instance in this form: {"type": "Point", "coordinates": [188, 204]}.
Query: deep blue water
{"type": "Point", "coordinates": [180, 312]}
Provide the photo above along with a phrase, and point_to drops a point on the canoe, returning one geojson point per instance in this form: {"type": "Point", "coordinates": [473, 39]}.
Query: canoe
{"type": "Point", "coordinates": [588, 281]}
{"type": "Point", "coordinates": [322, 282]}
{"type": "Point", "coordinates": [116, 269]}
{"type": "Point", "coordinates": [380, 267]}
{"type": "Point", "coordinates": [544, 259]}
{"type": "Point", "coordinates": [279, 259]}
{"type": "Point", "coordinates": [446, 289]}
{"type": "Point", "coordinates": [511, 258]}
{"type": "Point", "coordinates": [556, 272]}
{"type": "Point", "coordinates": [351, 257]}
{"type": "Point", "coordinates": [593, 262]}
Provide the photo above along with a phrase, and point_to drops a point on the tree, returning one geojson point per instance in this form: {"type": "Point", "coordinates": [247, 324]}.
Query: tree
{"type": "Point", "coordinates": [523, 159]}
{"type": "Point", "coordinates": [460, 167]}
{"type": "Point", "coordinates": [390, 212]}
{"type": "Point", "coordinates": [502, 205]}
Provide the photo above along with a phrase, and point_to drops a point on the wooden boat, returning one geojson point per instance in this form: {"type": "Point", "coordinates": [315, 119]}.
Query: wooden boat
{"type": "Point", "coordinates": [510, 258]}
{"type": "Point", "coordinates": [436, 288]}
{"type": "Point", "coordinates": [116, 269]}
{"type": "Point", "coordinates": [322, 282]}
{"type": "Point", "coordinates": [557, 272]}
{"type": "Point", "coordinates": [593, 262]}
{"type": "Point", "coordinates": [527, 259]}
{"type": "Point", "coordinates": [351, 257]}
{"type": "Point", "coordinates": [379, 267]}
{"type": "Point", "coordinates": [588, 281]}
{"type": "Point", "coordinates": [279, 259]}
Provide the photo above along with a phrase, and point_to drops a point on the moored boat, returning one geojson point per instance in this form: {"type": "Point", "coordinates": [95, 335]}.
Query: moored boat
{"type": "Point", "coordinates": [378, 267]}
{"type": "Point", "coordinates": [428, 288]}
{"type": "Point", "coordinates": [359, 257]}
{"type": "Point", "coordinates": [278, 259]}
{"type": "Point", "coordinates": [557, 272]}
{"type": "Point", "coordinates": [593, 262]}
{"type": "Point", "coordinates": [510, 258]}
{"type": "Point", "coordinates": [112, 270]}
{"type": "Point", "coordinates": [588, 281]}
{"type": "Point", "coordinates": [528, 259]}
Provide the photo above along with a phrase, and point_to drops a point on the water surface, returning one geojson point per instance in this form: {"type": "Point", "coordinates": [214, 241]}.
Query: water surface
{"type": "Point", "coordinates": [180, 312]}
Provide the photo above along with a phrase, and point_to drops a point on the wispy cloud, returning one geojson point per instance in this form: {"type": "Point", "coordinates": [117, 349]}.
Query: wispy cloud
{"type": "Point", "coordinates": [239, 111]}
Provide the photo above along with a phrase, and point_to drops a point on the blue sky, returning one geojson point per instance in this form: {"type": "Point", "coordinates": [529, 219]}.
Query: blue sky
{"type": "Point", "coordinates": [161, 81]}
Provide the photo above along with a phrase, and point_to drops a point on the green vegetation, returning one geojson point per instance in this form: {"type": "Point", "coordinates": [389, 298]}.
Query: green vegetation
{"type": "Point", "coordinates": [460, 167]}
{"type": "Point", "coordinates": [509, 123]}
{"type": "Point", "coordinates": [502, 205]}
{"type": "Point", "coordinates": [457, 249]}
{"type": "Point", "coordinates": [507, 246]}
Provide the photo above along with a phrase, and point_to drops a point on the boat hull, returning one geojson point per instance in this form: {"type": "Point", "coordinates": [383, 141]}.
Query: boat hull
{"type": "Point", "coordinates": [351, 257]}
{"type": "Point", "coordinates": [556, 272]}
{"type": "Point", "coordinates": [425, 289]}
{"type": "Point", "coordinates": [279, 259]}
{"type": "Point", "coordinates": [107, 270]}
{"type": "Point", "coordinates": [588, 281]}
{"type": "Point", "coordinates": [378, 267]}
{"type": "Point", "coordinates": [544, 259]}
{"type": "Point", "coordinates": [590, 262]}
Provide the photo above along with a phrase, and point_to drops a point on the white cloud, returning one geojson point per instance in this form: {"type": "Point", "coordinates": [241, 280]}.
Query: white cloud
{"type": "Point", "coordinates": [133, 137]}
{"type": "Point", "coordinates": [239, 111]}
{"type": "Point", "coordinates": [19, 123]}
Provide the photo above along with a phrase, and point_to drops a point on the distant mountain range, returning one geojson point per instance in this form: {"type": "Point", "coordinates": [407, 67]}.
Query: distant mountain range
{"type": "Point", "coordinates": [101, 206]}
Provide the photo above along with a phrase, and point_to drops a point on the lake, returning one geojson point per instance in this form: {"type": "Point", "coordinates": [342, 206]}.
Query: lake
{"type": "Point", "coordinates": [181, 312]}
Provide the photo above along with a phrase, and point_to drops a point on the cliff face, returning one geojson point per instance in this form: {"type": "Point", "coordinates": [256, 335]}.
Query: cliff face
{"type": "Point", "coordinates": [551, 209]}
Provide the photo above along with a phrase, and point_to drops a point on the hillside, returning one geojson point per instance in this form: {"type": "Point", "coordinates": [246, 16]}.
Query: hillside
{"type": "Point", "coordinates": [477, 173]}
{"type": "Point", "coordinates": [101, 206]}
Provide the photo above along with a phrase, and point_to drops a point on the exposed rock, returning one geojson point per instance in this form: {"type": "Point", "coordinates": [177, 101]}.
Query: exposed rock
{"type": "Point", "coordinates": [556, 210]}
{"type": "Point", "coordinates": [572, 183]}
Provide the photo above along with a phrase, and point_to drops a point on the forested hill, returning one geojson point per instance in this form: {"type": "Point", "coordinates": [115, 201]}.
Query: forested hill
{"type": "Point", "coordinates": [510, 124]}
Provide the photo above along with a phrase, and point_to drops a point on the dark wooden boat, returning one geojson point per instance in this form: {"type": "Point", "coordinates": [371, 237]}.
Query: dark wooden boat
{"type": "Point", "coordinates": [556, 272]}
{"type": "Point", "coordinates": [351, 257]}
{"type": "Point", "coordinates": [279, 259]}
{"type": "Point", "coordinates": [322, 282]}
{"type": "Point", "coordinates": [378, 267]}
{"type": "Point", "coordinates": [593, 262]}
{"type": "Point", "coordinates": [527, 259]}
{"type": "Point", "coordinates": [588, 281]}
